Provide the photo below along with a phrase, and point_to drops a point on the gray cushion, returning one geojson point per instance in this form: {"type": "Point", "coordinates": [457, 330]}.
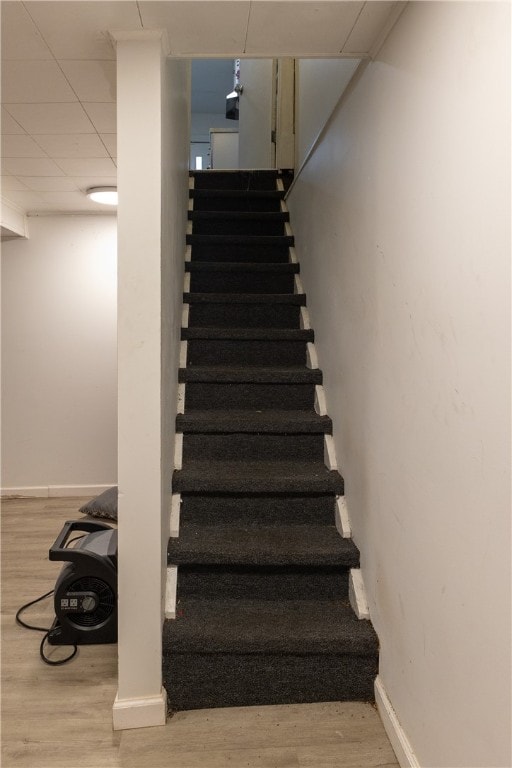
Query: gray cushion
{"type": "Point", "coordinates": [104, 505]}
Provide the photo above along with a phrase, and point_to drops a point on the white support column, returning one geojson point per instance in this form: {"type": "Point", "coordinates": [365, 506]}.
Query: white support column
{"type": "Point", "coordinates": [140, 700]}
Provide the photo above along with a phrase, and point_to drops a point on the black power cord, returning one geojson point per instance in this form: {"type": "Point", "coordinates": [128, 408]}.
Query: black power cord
{"type": "Point", "coordinates": [45, 629]}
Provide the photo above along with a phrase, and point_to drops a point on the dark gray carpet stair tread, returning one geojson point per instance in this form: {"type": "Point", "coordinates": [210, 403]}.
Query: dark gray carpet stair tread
{"type": "Point", "coordinates": [305, 545]}
{"type": "Point", "coordinates": [258, 509]}
{"type": "Point", "coordinates": [265, 627]}
{"type": "Point", "coordinates": [257, 477]}
{"type": "Point", "coordinates": [260, 240]}
{"type": "Point", "coordinates": [249, 334]}
{"type": "Point", "coordinates": [253, 375]}
{"type": "Point", "coordinates": [244, 193]}
{"type": "Point", "coordinates": [275, 422]}
{"type": "Point", "coordinates": [233, 266]}
{"type": "Point", "coordinates": [238, 215]}
{"type": "Point", "coordinates": [235, 180]}
{"type": "Point", "coordinates": [245, 298]}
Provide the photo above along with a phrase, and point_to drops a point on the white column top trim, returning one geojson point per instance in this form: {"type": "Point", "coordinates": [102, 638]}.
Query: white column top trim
{"type": "Point", "coordinates": [142, 35]}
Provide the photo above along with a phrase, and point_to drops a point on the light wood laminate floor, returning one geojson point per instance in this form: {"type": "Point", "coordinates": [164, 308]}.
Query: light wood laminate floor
{"type": "Point", "coordinates": [60, 717]}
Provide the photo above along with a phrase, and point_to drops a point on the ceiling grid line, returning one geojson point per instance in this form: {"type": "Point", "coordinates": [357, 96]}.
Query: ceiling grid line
{"type": "Point", "coordinates": [247, 26]}
{"type": "Point", "coordinates": [352, 27]}
{"type": "Point", "coordinates": [59, 74]}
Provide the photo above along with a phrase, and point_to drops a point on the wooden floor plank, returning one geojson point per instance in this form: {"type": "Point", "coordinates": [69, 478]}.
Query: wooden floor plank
{"type": "Point", "coordinates": [61, 717]}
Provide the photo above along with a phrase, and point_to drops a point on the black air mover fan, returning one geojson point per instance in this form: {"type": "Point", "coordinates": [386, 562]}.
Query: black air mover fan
{"type": "Point", "coordinates": [85, 595]}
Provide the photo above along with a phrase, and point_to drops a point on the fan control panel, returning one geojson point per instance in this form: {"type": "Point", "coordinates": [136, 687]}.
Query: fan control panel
{"type": "Point", "coordinates": [79, 602]}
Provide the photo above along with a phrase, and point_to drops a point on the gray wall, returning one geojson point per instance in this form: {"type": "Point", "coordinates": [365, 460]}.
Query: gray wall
{"type": "Point", "coordinates": [402, 226]}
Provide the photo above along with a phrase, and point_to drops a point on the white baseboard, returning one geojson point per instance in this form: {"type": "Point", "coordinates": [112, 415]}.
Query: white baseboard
{"type": "Point", "coordinates": [171, 585]}
{"type": "Point", "coordinates": [357, 594]}
{"type": "Point", "coordinates": [396, 734]}
{"type": "Point", "coordinates": [55, 491]}
{"type": "Point", "coordinates": [139, 713]}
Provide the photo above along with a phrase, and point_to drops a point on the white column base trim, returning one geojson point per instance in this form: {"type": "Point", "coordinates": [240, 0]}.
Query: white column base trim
{"type": "Point", "coordinates": [181, 398]}
{"type": "Point", "coordinates": [357, 594]}
{"type": "Point", "coordinates": [55, 491]}
{"type": "Point", "coordinates": [342, 519]}
{"type": "Point", "coordinates": [174, 522]}
{"type": "Point", "coordinates": [311, 356]}
{"type": "Point", "coordinates": [178, 450]}
{"type": "Point", "coordinates": [320, 404]}
{"type": "Point", "coordinates": [305, 322]}
{"type": "Point", "coordinates": [396, 734]}
{"type": "Point", "coordinates": [183, 354]}
{"type": "Point", "coordinates": [330, 453]}
{"type": "Point", "coordinates": [140, 713]}
{"type": "Point", "coordinates": [292, 255]}
{"type": "Point", "coordinates": [171, 585]}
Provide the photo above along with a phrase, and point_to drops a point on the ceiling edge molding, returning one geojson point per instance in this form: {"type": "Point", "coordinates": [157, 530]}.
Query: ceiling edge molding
{"type": "Point", "coordinates": [384, 33]}
{"type": "Point", "coordinates": [14, 219]}
{"type": "Point", "coordinates": [117, 35]}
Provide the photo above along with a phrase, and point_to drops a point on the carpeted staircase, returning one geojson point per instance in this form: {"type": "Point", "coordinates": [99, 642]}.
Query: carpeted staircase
{"type": "Point", "coordinates": [262, 612]}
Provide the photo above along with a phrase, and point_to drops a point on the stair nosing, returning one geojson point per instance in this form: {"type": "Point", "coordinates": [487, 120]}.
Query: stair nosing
{"type": "Point", "coordinates": [194, 478]}
{"type": "Point", "coordinates": [262, 240]}
{"type": "Point", "coordinates": [279, 216]}
{"type": "Point", "coordinates": [292, 299]}
{"type": "Point", "coordinates": [225, 375]}
{"type": "Point", "coordinates": [253, 422]}
{"type": "Point", "coordinates": [247, 334]}
{"type": "Point", "coordinates": [242, 266]}
{"type": "Point", "coordinates": [207, 626]}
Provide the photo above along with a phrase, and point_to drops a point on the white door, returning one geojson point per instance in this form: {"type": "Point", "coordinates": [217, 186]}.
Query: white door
{"type": "Point", "coordinates": [256, 107]}
{"type": "Point", "coordinates": [224, 149]}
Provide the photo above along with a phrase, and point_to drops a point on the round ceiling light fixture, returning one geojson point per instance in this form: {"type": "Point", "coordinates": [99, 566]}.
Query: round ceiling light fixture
{"type": "Point", "coordinates": [104, 195]}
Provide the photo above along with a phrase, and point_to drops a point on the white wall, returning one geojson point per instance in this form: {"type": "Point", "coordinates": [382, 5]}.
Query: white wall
{"type": "Point", "coordinates": [59, 380]}
{"type": "Point", "coordinates": [402, 226]}
{"type": "Point", "coordinates": [175, 142]}
{"type": "Point", "coordinates": [320, 83]}
{"type": "Point", "coordinates": [153, 113]}
{"type": "Point", "coordinates": [202, 122]}
{"type": "Point", "coordinates": [255, 123]}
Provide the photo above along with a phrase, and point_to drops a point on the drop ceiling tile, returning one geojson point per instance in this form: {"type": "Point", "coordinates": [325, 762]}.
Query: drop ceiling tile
{"type": "Point", "coordinates": [12, 184]}
{"type": "Point", "coordinates": [51, 118]}
{"type": "Point", "coordinates": [31, 82]}
{"type": "Point", "coordinates": [103, 116]}
{"type": "Point", "coordinates": [300, 29]}
{"type": "Point", "coordinates": [20, 145]}
{"type": "Point", "coordinates": [25, 200]}
{"type": "Point", "coordinates": [50, 183]}
{"type": "Point", "coordinates": [86, 182]}
{"type": "Point", "coordinates": [110, 141]}
{"type": "Point", "coordinates": [200, 27]}
{"type": "Point", "coordinates": [367, 28]}
{"type": "Point", "coordinates": [30, 166]}
{"type": "Point", "coordinates": [83, 167]}
{"type": "Point", "coordinates": [64, 197]}
{"type": "Point", "coordinates": [20, 37]}
{"type": "Point", "coordinates": [9, 124]}
{"type": "Point", "coordinates": [80, 145]}
{"type": "Point", "coordinates": [79, 30]}
{"type": "Point", "coordinates": [92, 80]}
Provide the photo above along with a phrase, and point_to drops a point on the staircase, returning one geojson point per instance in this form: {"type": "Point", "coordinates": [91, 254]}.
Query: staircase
{"type": "Point", "coordinates": [262, 613]}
